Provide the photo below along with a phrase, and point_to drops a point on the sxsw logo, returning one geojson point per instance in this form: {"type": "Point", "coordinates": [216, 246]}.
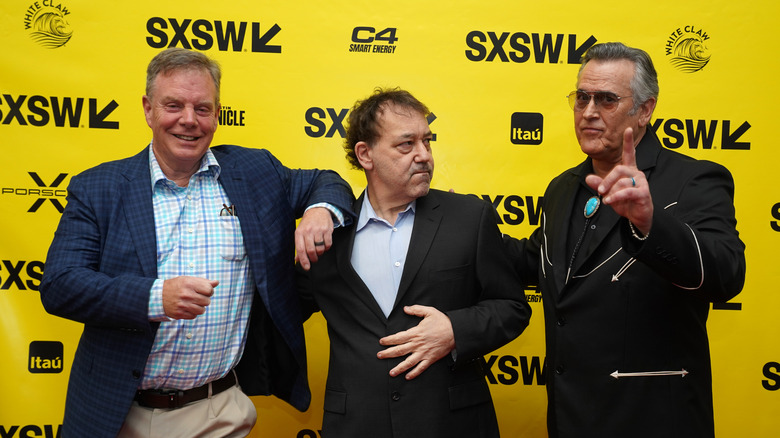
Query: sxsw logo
{"type": "Point", "coordinates": [771, 371]}
{"type": "Point", "coordinates": [511, 370]}
{"type": "Point", "coordinates": [527, 128]}
{"type": "Point", "coordinates": [45, 357]}
{"type": "Point", "coordinates": [328, 122]}
{"type": "Point", "coordinates": [203, 34]}
{"type": "Point", "coordinates": [30, 278]}
{"type": "Point", "coordinates": [702, 134]}
{"type": "Point", "coordinates": [325, 121]}
{"type": "Point", "coordinates": [520, 47]}
{"type": "Point", "coordinates": [38, 110]}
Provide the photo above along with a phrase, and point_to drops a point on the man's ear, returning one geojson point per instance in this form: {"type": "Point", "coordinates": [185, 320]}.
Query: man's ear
{"type": "Point", "coordinates": [146, 101]}
{"type": "Point", "coordinates": [363, 154]}
{"type": "Point", "coordinates": [646, 111]}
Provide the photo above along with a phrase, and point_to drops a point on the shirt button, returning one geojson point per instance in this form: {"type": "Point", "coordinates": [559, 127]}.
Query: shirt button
{"type": "Point", "coordinates": [189, 197]}
{"type": "Point", "coordinates": [395, 229]}
{"type": "Point", "coordinates": [189, 335]}
{"type": "Point", "coordinates": [181, 371]}
{"type": "Point", "coordinates": [395, 396]}
{"type": "Point", "coordinates": [397, 264]}
{"type": "Point", "coordinates": [190, 230]}
{"type": "Point", "coordinates": [592, 227]}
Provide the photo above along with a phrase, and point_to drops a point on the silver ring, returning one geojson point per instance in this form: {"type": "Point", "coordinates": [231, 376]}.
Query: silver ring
{"type": "Point", "coordinates": [633, 182]}
{"type": "Point", "coordinates": [319, 243]}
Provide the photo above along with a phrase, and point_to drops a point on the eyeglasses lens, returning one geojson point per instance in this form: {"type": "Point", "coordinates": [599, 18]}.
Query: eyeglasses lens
{"type": "Point", "coordinates": [579, 100]}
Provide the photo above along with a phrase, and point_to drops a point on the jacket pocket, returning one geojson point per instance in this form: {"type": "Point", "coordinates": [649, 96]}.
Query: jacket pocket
{"type": "Point", "coordinates": [449, 274]}
{"type": "Point", "coordinates": [335, 401]}
{"type": "Point", "coordinates": [469, 394]}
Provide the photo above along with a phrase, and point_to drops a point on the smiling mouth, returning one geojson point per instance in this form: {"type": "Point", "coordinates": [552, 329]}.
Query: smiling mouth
{"type": "Point", "coordinates": [186, 137]}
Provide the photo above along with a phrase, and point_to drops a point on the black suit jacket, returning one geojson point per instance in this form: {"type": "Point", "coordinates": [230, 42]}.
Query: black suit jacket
{"type": "Point", "coordinates": [635, 306]}
{"type": "Point", "coordinates": [456, 264]}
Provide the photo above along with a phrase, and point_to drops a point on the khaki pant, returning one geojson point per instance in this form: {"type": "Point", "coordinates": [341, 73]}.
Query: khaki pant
{"type": "Point", "coordinates": [228, 414]}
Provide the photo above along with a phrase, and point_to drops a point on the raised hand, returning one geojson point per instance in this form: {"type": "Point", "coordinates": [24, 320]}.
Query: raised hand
{"type": "Point", "coordinates": [626, 189]}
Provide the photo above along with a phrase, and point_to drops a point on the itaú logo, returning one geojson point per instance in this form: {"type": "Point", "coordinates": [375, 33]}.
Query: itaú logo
{"type": "Point", "coordinates": [527, 128]}
{"type": "Point", "coordinates": [45, 357]}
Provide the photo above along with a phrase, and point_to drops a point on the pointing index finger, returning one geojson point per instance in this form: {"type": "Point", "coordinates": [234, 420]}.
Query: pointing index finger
{"type": "Point", "coordinates": [629, 152]}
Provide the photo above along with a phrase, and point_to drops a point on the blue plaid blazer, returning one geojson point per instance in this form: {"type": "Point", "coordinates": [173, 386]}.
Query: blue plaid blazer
{"type": "Point", "coordinates": [102, 263]}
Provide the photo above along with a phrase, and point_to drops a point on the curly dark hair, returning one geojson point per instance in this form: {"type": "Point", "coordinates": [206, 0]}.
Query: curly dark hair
{"type": "Point", "coordinates": [362, 124]}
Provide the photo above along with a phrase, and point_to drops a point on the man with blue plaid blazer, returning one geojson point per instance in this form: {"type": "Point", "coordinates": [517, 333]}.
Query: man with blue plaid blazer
{"type": "Point", "coordinates": [179, 263]}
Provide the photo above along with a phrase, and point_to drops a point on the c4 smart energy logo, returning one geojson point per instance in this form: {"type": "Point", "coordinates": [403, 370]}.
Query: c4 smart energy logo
{"type": "Point", "coordinates": [687, 50]}
{"type": "Point", "coordinates": [367, 39]}
{"type": "Point", "coordinates": [46, 23]}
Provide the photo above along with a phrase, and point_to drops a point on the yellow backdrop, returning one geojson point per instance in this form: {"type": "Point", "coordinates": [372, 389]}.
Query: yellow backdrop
{"type": "Point", "coordinates": [494, 74]}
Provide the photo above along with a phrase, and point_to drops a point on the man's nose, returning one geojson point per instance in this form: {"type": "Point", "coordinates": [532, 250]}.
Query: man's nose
{"type": "Point", "coordinates": [423, 152]}
{"type": "Point", "coordinates": [188, 116]}
{"type": "Point", "coordinates": [591, 110]}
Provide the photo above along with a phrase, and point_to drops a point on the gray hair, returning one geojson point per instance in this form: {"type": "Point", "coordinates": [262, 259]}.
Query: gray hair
{"type": "Point", "coordinates": [175, 58]}
{"type": "Point", "coordinates": [644, 84]}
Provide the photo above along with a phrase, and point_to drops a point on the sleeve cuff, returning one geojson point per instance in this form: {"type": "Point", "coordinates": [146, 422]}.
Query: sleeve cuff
{"type": "Point", "coordinates": [338, 216]}
{"type": "Point", "coordinates": [156, 310]}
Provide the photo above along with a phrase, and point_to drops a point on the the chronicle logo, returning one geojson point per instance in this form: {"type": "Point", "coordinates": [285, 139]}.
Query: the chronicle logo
{"type": "Point", "coordinates": [527, 128]}
{"type": "Point", "coordinates": [45, 20]}
{"type": "Point", "coordinates": [686, 49]}
{"type": "Point", "coordinates": [45, 357]}
{"type": "Point", "coordinates": [366, 39]}
{"type": "Point", "coordinates": [229, 116]}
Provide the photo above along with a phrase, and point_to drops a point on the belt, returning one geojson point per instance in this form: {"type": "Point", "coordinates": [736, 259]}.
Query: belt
{"type": "Point", "coordinates": [172, 399]}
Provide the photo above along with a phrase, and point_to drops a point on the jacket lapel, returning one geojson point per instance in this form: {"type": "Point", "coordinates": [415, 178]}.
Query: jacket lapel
{"type": "Point", "coordinates": [427, 218]}
{"type": "Point", "coordinates": [139, 211]}
{"type": "Point", "coordinates": [248, 209]}
{"type": "Point", "coordinates": [557, 232]}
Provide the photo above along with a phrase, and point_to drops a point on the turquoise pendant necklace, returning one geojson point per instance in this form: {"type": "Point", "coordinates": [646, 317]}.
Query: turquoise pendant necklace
{"type": "Point", "coordinates": [592, 206]}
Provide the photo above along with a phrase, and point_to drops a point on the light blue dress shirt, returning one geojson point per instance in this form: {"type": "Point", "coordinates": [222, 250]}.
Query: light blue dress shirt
{"type": "Point", "coordinates": [379, 252]}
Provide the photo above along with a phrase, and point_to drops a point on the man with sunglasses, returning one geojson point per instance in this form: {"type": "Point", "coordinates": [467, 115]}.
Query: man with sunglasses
{"type": "Point", "coordinates": [635, 244]}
